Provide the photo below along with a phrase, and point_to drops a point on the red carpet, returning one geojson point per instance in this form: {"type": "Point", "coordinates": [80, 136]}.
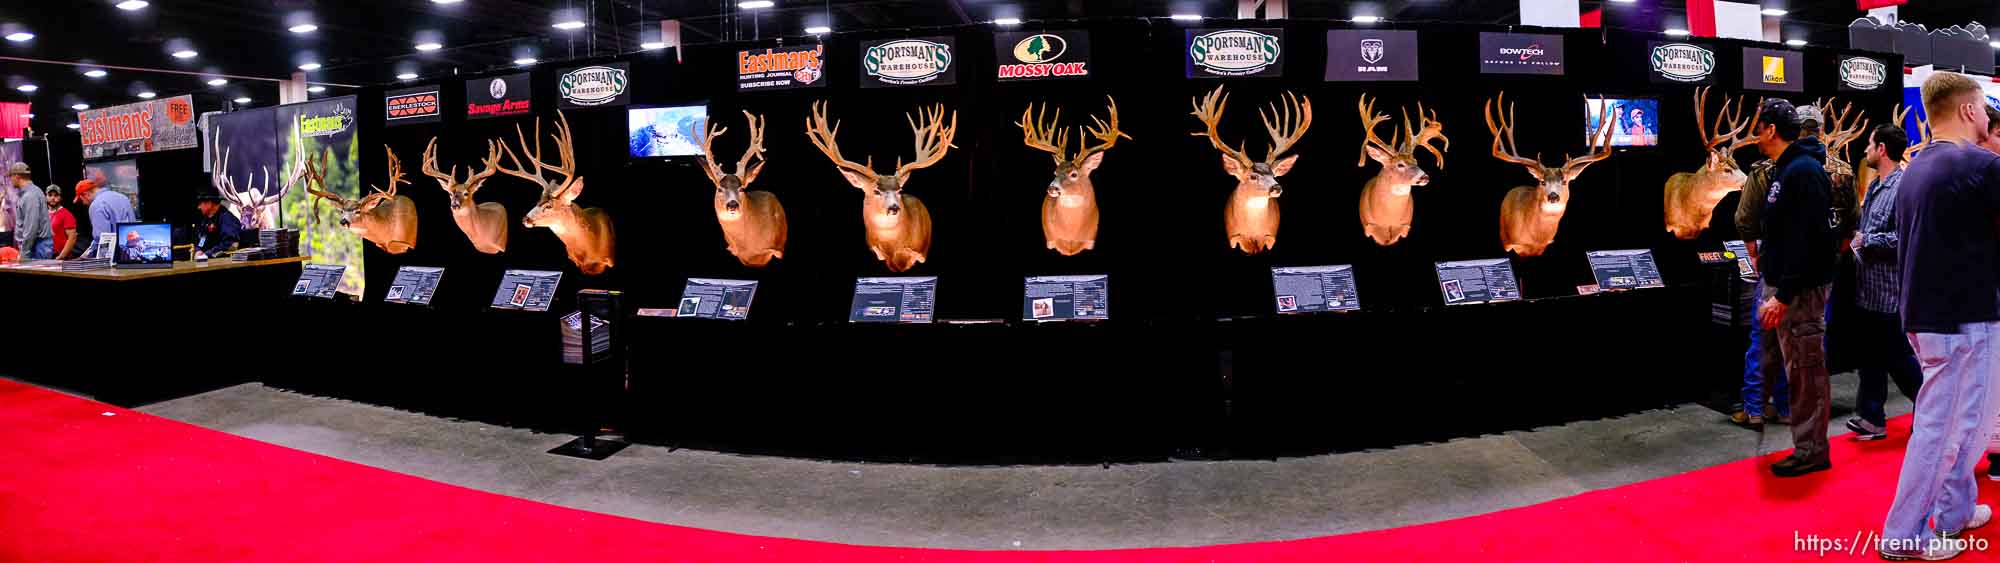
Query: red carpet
{"type": "Point", "coordinates": [76, 485]}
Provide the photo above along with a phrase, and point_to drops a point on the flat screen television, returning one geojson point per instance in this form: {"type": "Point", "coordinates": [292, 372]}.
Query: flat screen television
{"type": "Point", "coordinates": [664, 131]}
{"type": "Point", "coordinates": [143, 245]}
{"type": "Point", "coordinates": [1636, 121]}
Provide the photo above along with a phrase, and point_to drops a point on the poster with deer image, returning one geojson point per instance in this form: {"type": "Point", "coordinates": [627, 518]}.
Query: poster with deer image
{"type": "Point", "coordinates": [246, 144]}
{"type": "Point", "coordinates": [323, 129]}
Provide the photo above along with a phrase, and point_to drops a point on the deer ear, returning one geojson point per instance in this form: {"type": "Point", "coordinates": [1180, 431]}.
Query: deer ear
{"type": "Point", "coordinates": [1376, 154]}
{"type": "Point", "coordinates": [1090, 164]}
{"type": "Point", "coordinates": [751, 176]}
{"type": "Point", "coordinates": [857, 181]}
{"type": "Point", "coordinates": [575, 189]}
{"type": "Point", "coordinates": [1233, 167]}
{"type": "Point", "coordinates": [1284, 165]}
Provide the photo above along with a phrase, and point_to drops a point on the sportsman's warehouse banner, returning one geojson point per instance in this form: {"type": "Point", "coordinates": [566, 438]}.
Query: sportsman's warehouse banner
{"type": "Point", "coordinates": [156, 125]}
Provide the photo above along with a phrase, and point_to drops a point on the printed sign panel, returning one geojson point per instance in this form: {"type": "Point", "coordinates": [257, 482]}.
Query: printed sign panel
{"type": "Point", "coordinates": [1235, 52]}
{"type": "Point", "coordinates": [324, 129]}
{"type": "Point", "coordinates": [412, 105]}
{"type": "Point", "coordinates": [893, 300]}
{"type": "Point", "coordinates": [1370, 54]}
{"type": "Point", "coordinates": [1466, 282]}
{"type": "Point", "coordinates": [156, 125]}
{"type": "Point", "coordinates": [1314, 289]}
{"type": "Point", "coordinates": [1042, 55]}
{"type": "Point", "coordinates": [1520, 53]}
{"type": "Point", "coordinates": [1066, 298]}
{"type": "Point", "coordinates": [1772, 69]}
{"type": "Point", "coordinates": [707, 298]}
{"type": "Point", "coordinates": [781, 68]}
{"type": "Point", "coordinates": [499, 96]}
{"type": "Point", "coordinates": [1863, 74]}
{"type": "Point", "coordinates": [907, 62]}
{"type": "Point", "coordinates": [594, 86]}
{"type": "Point", "coordinates": [1683, 63]}
{"type": "Point", "coordinates": [526, 290]}
{"type": "Point", "coordinates": [1624, 269]}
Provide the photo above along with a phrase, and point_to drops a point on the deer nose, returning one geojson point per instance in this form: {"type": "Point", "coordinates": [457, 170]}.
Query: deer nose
{"type": "Point", "coordinates": [1276, 190]}
{"type": "Point", "coordinates": [894, 209]}
{"type": "Point", "coordinates": [1555, 197]}
{"type": "Point", "coordinates": [1055, 189]}
{"type": "Point", "coordinates": [731, 205]}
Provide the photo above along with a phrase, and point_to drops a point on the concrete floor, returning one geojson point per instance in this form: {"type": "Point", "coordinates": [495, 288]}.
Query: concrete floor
{"type": "Point", "coordinates": [1023, 507]}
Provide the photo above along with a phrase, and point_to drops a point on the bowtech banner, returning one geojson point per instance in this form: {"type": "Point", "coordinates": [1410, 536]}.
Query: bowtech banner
{"type": "Point", "coordinates": [325, 129]}
{"type": "Point", "coordinates": [156, 125]}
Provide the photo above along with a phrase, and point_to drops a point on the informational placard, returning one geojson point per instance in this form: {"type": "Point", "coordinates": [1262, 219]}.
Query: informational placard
{"type": "Point", "coordinates": [1520, 53]}
{"type": "Point", "coordinates": [1215, 53]}
{"type": "Point", "coordinates": [594, 86]}
{"type": "Point", "coordinates": [319, 281]}
{"type": "Point", "coordinates": [1681, 63]}
{"type": "Point", "coordinates": [1466, 282]}
{"type": "Point", "coordinates": [781, 68]}
{"type": "Point", "coordinates": [1315, 289]}
{"type": "Point", "coordinates": [893, 300]}
{"type": "Point", "coordinates": [1624, 269]}
{"type": "Point", "coordinates": [526, 290]}
{"type": "Point", "coordinates": [1773, 69]}
{"type": "Point", "coordinates": [412, 105]}
{"type": "Point", "coordinates": [716, 299]}
{"type": "Point", "coordinates": [414, 284]}
{"type": "Point", "coordinates": [1864, 74]}
{"type": "Point", "coordinates": [1066, 298]}
{"type": "Point", "coordinates": [499, 96]}
{"type": "Point", "coordinates": [1737, 250]}
{"type": "Point", "coordinates": [929, 61]}
{"type": "Point", "coordinates": [1042, 55]}
{"type": "Point", "coordinates": [1371, 55]}
{"type": "Point", "coordinates": [153, 125]}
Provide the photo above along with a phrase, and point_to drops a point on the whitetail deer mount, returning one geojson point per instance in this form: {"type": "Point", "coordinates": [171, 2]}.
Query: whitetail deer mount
{"type": "Point", "coordinates": [897, 224]}
{"type": "Point", "coordinates": [1691, 196]}
{"type": "Point", "coordinates": [383, 218]}
{"type": "Point", "coordinates": [585, 231]}
{"type": "Point", "coordinates": [256, 206]}
{"type": "Point", "coordinates": [1252, 214]}
{"type": "Point", "coordinates": [1069, 214]}
{"type": "Point", "coordinates": [1843, 125]}
{"type": "Point", "coordinates": [753, 222]}
{"type": "Point", "coordinates": [1386, 207]}
{"type": "Point", "coordinates": [1529, 215]}
{"type": "Point", "coordinates": [485, 224]}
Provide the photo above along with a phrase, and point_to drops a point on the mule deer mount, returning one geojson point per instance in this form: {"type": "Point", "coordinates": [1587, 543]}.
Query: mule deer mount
{"type": "Point", "coordinates": [585, 231]}
{"type": "Point", "coordinates": [1530, 214]}
{"type": "Point", "coordinates": [1843, 125]}
{"type": "Point", "coordinates": [753, 222]}
{"type": "Point", "coordinates": [381, 217]}
{"type": "Point", "coordinates": [898, 226]}
{"type": "Point", "coordinates": [1691, 196]}
{"type": "Point", "coordinates": [1069, 214]}
{"type": "Point", "coordinates": [1386, 207]}
{"type": "Point", "coordinates": [485, 224]}
{"type": "Point", "coordinates": [1252, 214]}
{"type": "Point", "coordinates": [255, 206]}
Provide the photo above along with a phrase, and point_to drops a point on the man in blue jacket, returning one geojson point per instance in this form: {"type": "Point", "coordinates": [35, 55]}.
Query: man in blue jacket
{"type": "Point", "coordinates": [1797, 261]}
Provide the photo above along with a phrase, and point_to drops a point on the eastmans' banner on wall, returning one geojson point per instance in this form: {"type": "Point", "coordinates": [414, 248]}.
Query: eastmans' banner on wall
{"type": "Point", "coordinates": [412, 105]}
{"type": "Point", "coordinates": [1520, 53]}
{"type": "Point", "coordinates": [1772, 69]}
{"type": "Point", "coordinates": [1683, 63]}
{"type": "Point", "coordinates": [907, 62]}
{"type": "Point", "coordinates": [1370, 54]}
{"type": "Point", "coordinates": [781, 68]}
{"type": "Point", "coordinates": [1042, 55]}
{"type": "Point", "coordinates": [1235, 52]}
{"type": "Point", "coordinates": [593, 86]}
{"type": "Point", "coordinates": [156, 125]}
{"type": "Point", "coordinates": [1864, 74]}
{"type": "Point", "coordinates": [499, 96]}
{"type": "Point", "coordinates": [325, 129]}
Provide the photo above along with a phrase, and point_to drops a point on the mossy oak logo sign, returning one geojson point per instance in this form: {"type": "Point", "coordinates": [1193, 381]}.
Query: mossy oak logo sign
{"type": "Point", "coordinates": [1235, 52]}
{"type": "Point", "coordinates": [1862, 73]}
{"type": "Point", "coordinates": [903, 62]}
{"type": "Point", "coordinates": [593, 86]}
{"type": "Point", "coordinates": [1033, 56]}
{"type": "Point", "coordinates": [1681, 62]}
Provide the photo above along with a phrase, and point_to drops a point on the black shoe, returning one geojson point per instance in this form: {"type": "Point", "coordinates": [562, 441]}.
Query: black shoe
{"type": "Point", "coordinates": [1993, 467]}
{"type": "Point", "coordinates": [1797, 468]}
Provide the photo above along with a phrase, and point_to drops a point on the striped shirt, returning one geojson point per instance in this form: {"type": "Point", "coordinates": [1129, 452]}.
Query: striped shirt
{"type": "Point", "coordinates": [1879, 284]}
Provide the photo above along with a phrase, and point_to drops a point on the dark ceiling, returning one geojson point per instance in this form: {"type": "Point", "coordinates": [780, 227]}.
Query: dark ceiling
{"type": "Point", "coordinates": [365, 42]}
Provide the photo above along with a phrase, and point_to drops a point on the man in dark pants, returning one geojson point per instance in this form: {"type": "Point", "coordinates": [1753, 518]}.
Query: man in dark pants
{"type": "Point", "coordinates": [1797, 260]}
{"type": "Point", "coordinates": [1881, 349]}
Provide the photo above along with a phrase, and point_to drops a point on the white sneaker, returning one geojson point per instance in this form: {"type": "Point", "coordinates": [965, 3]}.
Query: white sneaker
{"type": "Point", "coordinates": [1933, 551]}
{"type": "Point", "coordinates": [1981, 514]}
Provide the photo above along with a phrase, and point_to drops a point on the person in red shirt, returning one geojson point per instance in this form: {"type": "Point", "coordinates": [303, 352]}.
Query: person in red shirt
{"type": "Point", "coordinates": [62, 223]}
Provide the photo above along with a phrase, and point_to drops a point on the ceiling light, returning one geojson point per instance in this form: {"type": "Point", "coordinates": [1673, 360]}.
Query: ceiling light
{"type": "Point", "coordinates": [407, 76]}
{"type": "Point", "coordinates": [73, 126]}
{"type": "Point", "coordinates": [1367, 19]}
{"type": "Point", "coordinates": [568, 25]}
{"type": "Point", "coordinates": [755, 4]}
{"type": "Point", "coordinates": [309, 67]}
{"type": "Point", "coordinates": [27, 87]}
{"type": "Point", "coordinates": [1796, 42]}
{"type": "Point", "coordinates": [1186, 17]}
{"type": "Point", "coordinates": [429, 46]}
{"type": "Point", "coordinates": [185, 54]}
{"type": "Point", "coordinates": [524, 61]}
{"type": "Point", "coordinates": [1624, 1]}
{"type": "Point", "coordinates": [20, 36]}
{"type": "Point", "coordinates": [304, 28]}
{"type": "Point", "coordinates": [147, 95]}
{"type": "Point", "coordinates": [218, 81]}
{"type": "Point", "coordinates": [1774, 12]}
{"type": "Point", "coordinates": [242, 100]}
{"type": "Point", "coordinates": [129, 5]}
{"type": "Point", "coordinates": [445, 1]}
{"type": "Point", "coordinates": [652, 45]}
{"type": "Point", "coordinates": [316, 89]}
{"type": "Point", "coordinates": [1994, 44]}
{"type": "Point", "coordinates": [79, 107]}
{"type": "Point", "coordinates": [1006, 21]}
{"type": "Point", "coordinates": [95, 73]}
{"type": "Point", "coordinates": [819, 29]}
{"type": "Point", "coordinates": [1677, 32]}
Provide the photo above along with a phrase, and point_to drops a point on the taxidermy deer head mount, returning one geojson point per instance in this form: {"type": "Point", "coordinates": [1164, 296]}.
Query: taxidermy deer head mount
{"type": "Point", "coordinates": [1691, 196]}
{"type": "Point", "coordinates": [1251, 216]}
{"type": "Point", "coordinates": [485, 224]}
{"type": "Point", "coordinates": [585, 231]}
{"type": "Point", "coordinates": [1530, 214]}
{"type": "Point", "coordinates": [381, 217]}
{"type": "Point", "coordinates": [753, 222]}
{"type": "Point", "coordinates": [1386, 208]}
{"type": "Point", "coordinates": [1069, 214]}
{"type": "Point", "coordinates": [898, 225]}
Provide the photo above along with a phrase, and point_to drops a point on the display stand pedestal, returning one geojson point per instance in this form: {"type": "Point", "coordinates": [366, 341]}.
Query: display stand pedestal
{"type": "Point", "coordinates": [606, 369]}
{"type": "Point", "coordinates": [590, 447]}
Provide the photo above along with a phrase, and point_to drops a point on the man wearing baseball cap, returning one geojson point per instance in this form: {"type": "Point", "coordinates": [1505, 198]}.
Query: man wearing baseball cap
{"type": "Point", "coordinates": [108, 208]}
{"type": "Point", "coordinates": [31, 222]}
{"type": "Point", "coordinates": [1797, 262]}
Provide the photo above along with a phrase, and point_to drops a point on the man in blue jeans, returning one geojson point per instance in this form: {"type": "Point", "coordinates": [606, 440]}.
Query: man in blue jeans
{"type": "Point", "coordinates": [1882, 350]}
{"type": "Point", "coordinates": [1756, 380]}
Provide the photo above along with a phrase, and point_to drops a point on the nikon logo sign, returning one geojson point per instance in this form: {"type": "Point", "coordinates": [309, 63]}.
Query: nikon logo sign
{"type": "Point", "coordinates": [1681, 62]}
{"type": "Point", "coordinates": [594, 86]}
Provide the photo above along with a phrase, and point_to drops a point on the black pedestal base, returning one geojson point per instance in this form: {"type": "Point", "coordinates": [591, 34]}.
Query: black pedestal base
{"type": "Point", "coordinates": [589, 448]}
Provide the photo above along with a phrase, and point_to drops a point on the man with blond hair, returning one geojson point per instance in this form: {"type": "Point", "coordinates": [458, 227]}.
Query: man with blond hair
{"type": "Point", "coordinates": [1946, 207]}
